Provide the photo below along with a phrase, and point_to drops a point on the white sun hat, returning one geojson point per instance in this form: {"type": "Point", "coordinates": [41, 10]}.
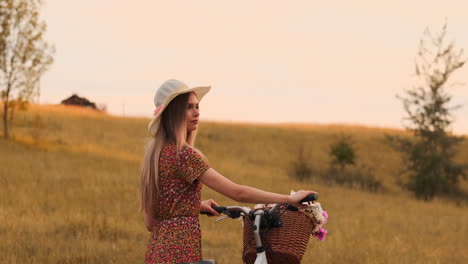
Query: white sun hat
{"type": "Point", "coordinates": [164, 95]}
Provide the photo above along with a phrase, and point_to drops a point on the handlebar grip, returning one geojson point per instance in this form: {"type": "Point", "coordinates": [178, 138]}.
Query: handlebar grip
{"type": "Point", "coordinates": [310, 198]}
{"type": "Point", "coordinates": [218, 209]}
{"type": "Point", "coordinates": [206, 213]}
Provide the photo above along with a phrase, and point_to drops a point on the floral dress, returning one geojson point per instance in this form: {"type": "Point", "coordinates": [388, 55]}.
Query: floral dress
{"type": "Point", "coordinates": [176, 237]}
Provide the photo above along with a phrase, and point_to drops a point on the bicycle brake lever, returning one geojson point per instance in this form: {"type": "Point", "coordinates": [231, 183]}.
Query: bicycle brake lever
{"type": "Point", "coordinates": [221, 218]}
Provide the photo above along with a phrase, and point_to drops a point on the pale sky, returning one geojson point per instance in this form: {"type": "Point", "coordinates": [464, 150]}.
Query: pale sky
{"type": "Point", "coordinates": [267, 61]}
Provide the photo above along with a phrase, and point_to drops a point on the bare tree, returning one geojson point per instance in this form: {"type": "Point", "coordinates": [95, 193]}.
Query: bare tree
{"type": "Point", "coordinates": [429, 155]}
{"type": "Point", "coordinates": [24, 54]}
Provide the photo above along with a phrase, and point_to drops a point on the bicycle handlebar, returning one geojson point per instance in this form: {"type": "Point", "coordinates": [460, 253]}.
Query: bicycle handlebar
{"type": "Point", "coordinates": [234, 214]}
{"type": "Point", "coordinates": [310, 198]}
{"type": "Point", "coordinates": [218, 209]}
{"type": "Point", "coordinates": [231, 211]}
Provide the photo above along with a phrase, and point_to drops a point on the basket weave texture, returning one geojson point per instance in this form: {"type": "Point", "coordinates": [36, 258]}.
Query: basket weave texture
{"type": "Point", "coordinates": [283, 245]}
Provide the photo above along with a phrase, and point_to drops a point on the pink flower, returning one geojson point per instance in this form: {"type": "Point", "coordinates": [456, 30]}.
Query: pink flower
{"type": "Point", "coordinates": [325, 215]}
{"type": "Point", "coordinates": [320, 234]}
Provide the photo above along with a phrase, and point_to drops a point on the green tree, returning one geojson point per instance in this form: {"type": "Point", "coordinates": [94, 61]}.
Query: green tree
{"type": "Point", "coordinates": [428, 156]}
{"type": "Point", "coordinates": [342, 152]}
{"type": "Point", "coordinates": [24, 54]}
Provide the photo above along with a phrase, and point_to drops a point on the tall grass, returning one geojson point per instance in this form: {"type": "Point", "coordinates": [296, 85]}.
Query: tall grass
{"type": "Point", "coordinates": [70, 195]}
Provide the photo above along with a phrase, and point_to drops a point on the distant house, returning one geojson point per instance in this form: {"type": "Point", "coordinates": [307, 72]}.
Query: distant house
{"type": "Point", "coordinates": [79, 101]}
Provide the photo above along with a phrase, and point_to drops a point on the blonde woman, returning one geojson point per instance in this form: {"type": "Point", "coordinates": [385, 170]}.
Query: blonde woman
{"type": "Point", "coordinates": [173, 173]}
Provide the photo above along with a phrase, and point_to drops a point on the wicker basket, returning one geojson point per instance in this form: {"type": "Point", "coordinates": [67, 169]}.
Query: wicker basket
{"type": "Point", "coordinates": [286, 244]}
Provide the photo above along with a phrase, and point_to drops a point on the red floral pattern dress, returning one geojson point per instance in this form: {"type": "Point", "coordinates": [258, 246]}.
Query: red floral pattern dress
{"type": "Point", "coordinates": [176, 237]}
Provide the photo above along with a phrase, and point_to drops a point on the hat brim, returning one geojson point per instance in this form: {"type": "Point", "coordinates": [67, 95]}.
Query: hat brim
{"type": "Point", "coordinates": [199, 91]}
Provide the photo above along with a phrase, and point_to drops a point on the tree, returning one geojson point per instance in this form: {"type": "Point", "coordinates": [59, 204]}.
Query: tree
{"type": "Point", "coordinates": [24, 54]}
{"type": "Point", "coordinates": [429, 155]}
{"type": "Point", "coordinates": [342, 152]}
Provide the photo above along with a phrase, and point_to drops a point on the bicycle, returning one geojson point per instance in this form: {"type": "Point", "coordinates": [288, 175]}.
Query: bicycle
{"type": "Point", "coordinates": [266, 224]}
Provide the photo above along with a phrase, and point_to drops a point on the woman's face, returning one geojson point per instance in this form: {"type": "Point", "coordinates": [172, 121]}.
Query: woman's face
{"type": "Point", "coordinates": [193, 112]}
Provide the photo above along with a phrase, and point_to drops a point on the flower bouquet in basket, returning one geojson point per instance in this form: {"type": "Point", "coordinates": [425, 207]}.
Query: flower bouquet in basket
{"type": "Point", "coordinates": [319, 218]}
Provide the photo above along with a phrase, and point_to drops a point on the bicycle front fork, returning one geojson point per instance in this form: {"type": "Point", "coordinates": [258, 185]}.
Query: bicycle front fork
{"type": "Point", "coordinates": [261, 257]}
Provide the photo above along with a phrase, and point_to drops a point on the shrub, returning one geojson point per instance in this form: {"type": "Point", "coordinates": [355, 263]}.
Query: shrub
{"type": "Point", "coordinates": [342, 153]}
{"type": "Point", "coordinates": [301, 168]}
{"type": "Point", "coordinates": [361, 177]}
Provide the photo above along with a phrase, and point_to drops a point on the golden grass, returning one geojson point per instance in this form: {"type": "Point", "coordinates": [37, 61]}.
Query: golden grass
{"type": "Point", "coordinates": [69, 192]}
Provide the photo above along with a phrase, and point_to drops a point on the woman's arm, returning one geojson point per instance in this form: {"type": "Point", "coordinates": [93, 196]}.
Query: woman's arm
{"type": "Point", "coordinates": [246, 194]}
{"type": "Point", "coordinates": [149, 221]}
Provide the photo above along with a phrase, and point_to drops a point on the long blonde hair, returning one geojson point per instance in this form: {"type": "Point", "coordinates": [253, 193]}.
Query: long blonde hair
{"type": "Point", "coordinates": [172, 127]}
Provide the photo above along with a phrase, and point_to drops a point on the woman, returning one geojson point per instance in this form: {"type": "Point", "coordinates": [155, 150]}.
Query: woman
{"type": "Point", "coordinates": [173, 173]}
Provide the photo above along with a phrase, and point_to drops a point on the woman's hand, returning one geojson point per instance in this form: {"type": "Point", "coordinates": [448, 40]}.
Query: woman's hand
{"type": "Point", "coordinates": [295, 199]}
{"type": "Point", "coordinates": [206, 205]}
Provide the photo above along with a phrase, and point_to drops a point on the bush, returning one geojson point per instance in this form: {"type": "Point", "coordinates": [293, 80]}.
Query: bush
{"type": "Point", "coordinates": [301, 168]}
{"type": "Point", "coordinates": [342, 153]}
{"type": "Point", "coordinates": [361, 177]}
{"type": "Point", "coordinates": [343, 169]}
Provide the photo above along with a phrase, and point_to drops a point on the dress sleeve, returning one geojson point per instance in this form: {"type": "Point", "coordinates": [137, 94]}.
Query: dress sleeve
{"type": "Point", "coordinates": [190, 164]}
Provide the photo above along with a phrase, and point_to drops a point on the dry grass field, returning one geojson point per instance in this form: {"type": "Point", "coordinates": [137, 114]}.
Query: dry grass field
{"type": "Point", "coordinates": [69, 192]}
